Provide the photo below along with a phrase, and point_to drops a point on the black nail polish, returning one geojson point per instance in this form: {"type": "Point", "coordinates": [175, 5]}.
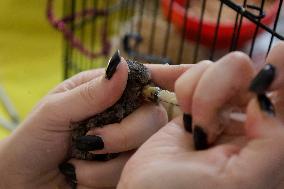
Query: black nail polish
{"type": "Point", "coordinates": [73, 185]}
{"type": "Point", "coordinates": [112, 65]}
{"type": "Point", "coordinates": [187, 122]}
{"type": "Point", "coordinates": [106, 157]}
{"type": "Point", "coordinates": [265, 104]}
{"type": "Point", "coordinates": [200, 138]}
{"type": "Point", "coordinates": [263, 79]}
{"type": "Point", "coordinates": [89, 143]}
{"type": "Point", "coordinates": [69, 171]}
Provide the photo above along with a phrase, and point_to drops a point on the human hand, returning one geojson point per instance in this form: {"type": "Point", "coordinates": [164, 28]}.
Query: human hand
{"type": "Point", "coordinates": [248, 155]}
{"type": "Point", "coordinates": [30, 157]}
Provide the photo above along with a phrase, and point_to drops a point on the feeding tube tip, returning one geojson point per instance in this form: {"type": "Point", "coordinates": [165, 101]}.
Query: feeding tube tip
{"type": "Point", "coordinates": [156, 95]}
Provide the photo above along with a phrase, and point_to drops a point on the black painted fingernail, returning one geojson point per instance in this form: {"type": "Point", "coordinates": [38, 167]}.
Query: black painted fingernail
{"type": "Point", "coordinates": [73, 185]}
{"type": "Point", "coordinates": [112, 65]}
{"type": "Point", "coordinates": [69, 171]}
{"type": "Point", "coordinates": [187, 122]}
{"type": "Point", "coordinates": [200, 138]}
{"type": "Point", "coordinates": [89, 143]}
{"type": "Point", "coordinates": [106, 157]}
{"type": "Point", "coordinates": [263, 79]}
{"type": "Point", "coordinates": [265, 104]}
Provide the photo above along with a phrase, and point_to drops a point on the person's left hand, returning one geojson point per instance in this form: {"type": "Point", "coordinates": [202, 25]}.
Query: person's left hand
{"type": "Point", "coordinates": [230, 155]}
{"type": "Point", "coordinates": [30, 157]}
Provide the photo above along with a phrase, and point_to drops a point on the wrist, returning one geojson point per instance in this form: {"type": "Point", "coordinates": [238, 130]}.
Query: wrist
{"type": "Point", "coordinates": [3, 163]}
{"type": "Point", "coordinates": [12, 173]}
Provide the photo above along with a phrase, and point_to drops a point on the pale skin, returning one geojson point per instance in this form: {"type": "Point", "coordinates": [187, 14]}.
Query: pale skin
{"type": "Point", "coordinates": [30, 156]}
{"type": "Point", "coordinates": [251, 156]}
{"type": "Point", "coordinates": [247, 156]}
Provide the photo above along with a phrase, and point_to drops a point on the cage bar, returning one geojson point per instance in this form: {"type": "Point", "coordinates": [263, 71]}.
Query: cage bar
{"type": "Point", "coordinates": [163, 31]}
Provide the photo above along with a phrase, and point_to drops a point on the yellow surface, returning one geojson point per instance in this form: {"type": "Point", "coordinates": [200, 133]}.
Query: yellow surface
{"type": "Point", "coordinates": [30, 54]}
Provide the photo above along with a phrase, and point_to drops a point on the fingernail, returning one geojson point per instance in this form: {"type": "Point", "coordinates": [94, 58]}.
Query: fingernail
{"type": "Point", "coordinates": [263, 79]}
{"type": "Point", "coordinates": [187, 122]}
{"type": "Point", "coordinates": [265, 104]}
{"type": "Point", "coordinates": [73, 185]}
{"type": "Point", "coordinates": [200, 138]}
{"type": "Point", "coordinates": [68, 170]}
{"type": "Point", "coordinates": [112, 65]}
{"type": "Point", "coordinates": [89, 143]}
{"type": "Point", "coordinates": [106, 157]}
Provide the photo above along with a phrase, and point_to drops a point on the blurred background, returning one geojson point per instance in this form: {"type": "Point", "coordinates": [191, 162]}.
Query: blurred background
{"type": "Point", "coordinates": [30, 54]}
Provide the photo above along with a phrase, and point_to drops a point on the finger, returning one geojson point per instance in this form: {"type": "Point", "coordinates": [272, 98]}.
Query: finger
{"type": "Point", "coordinates": [129, 134]}
{"type": "Point", "coordinates": [221, 82]}
{"type": "Point", "coordinates": [271, 77]}
{"type": "Point", "coordinates": [100, 174]}
{"type": "Point", "coordinates": [265, 151]}
{"type": "Point", "coordinates": [86, 187]}
{"type": "Point", "coordinates": [166, 75]}
{"type": "Point", "coordinates": [77, 80]}
{"type": "Point", "coordinates": [186, 84]}
{"type": "Point", "coordinates": [173, 135]}
{"type": "Point", "coordinates": [184, 88]}
{"type": "Point", "coordinates": [89, 98]}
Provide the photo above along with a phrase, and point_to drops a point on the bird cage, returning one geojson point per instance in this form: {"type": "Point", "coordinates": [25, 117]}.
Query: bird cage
{"type": "Point", "coordinates": [165, 31]}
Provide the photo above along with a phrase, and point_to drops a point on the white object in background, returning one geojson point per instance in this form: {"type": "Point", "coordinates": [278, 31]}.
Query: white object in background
{"type": "Point", "coordinates": [12, 113]}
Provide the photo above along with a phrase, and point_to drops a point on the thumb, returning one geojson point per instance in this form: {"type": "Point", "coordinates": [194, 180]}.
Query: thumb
{"type": "Point", "coordinates": [263, 156]}
{"type": "Point", "coordinates": [91, 97]}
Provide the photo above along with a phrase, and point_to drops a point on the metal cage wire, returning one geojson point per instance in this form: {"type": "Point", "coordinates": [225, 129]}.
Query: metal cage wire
{"type": "Point", "coordinates": [165, 31]}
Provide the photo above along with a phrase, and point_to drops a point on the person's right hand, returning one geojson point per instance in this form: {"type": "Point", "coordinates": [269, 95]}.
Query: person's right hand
{"type": "Point", "coordinates": [248, 156]}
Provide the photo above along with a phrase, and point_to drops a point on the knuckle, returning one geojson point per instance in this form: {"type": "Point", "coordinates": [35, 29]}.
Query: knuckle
{"type": "Point", "coordinates": [205, 62]}
{"type": "Point", "coordinates": [68, 85]}
{"type": "Point", "coordinates": [87, 92]}
{"type": "Point", "coordinates": [241, 63]}
{"type": "Point", "coordinates": [239, 58]}
{"type": "Point", "coordinates": [160, 115]}
{"type": "Point", "coordinates": [46, 105]}
{"type": "Point", "coordinates": [238, 55]}
{"type": "Point", "coordinates": [49, 108]}
{"type": "Point", "coordinates": [186, 77]}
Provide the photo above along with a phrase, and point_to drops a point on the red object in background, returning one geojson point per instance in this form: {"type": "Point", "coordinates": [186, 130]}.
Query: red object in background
{"type": "Point", "coordinates": [225, 31]}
